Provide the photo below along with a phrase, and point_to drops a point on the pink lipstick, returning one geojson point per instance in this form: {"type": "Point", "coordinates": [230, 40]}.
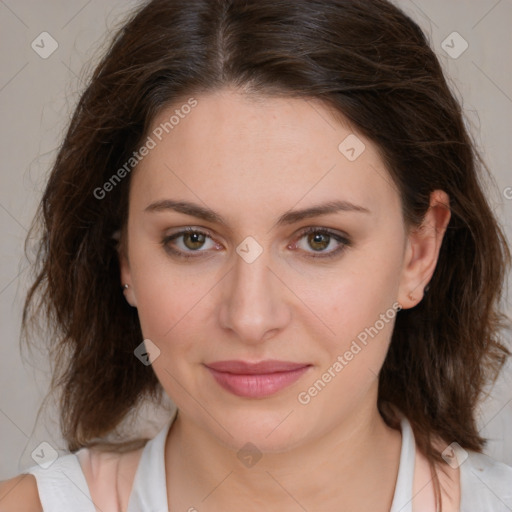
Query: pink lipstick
{"type": "Point", "coordinates": [256, 380]}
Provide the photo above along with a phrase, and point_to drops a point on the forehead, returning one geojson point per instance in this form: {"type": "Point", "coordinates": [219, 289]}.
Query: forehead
{"type": "Point", "coordinates": [248, 152]}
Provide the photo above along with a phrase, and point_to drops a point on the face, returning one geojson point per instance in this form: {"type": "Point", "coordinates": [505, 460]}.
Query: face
{"type": "Point", "coordinates": [255, 280]}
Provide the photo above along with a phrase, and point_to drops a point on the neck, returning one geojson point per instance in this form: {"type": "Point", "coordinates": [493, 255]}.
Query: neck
{"type": "Point", "coordinates": [352, 467]}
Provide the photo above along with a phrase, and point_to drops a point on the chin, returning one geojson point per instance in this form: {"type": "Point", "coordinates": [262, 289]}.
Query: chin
{"type": "Point", "coordinates": [269, 432]}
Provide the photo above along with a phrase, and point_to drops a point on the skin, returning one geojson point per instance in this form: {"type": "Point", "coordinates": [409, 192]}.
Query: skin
{"type": "Point", "coordinates": [251, 160]}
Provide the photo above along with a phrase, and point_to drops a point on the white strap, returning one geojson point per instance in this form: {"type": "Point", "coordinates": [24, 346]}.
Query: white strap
{"type": "Point", "coordinates": [402, 500]}
{"type": "Point", "coordinates": [149, 492]}
{"type": "Point", "coordinates": [62, 486]}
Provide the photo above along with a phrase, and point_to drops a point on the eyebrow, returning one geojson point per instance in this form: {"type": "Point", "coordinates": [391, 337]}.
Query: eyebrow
{"type": "Point", "coordinates": [287, 218]}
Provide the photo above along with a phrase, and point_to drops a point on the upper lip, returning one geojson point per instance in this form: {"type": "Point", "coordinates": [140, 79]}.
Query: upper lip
{"type": "Point", "coordinates": [261, 367]}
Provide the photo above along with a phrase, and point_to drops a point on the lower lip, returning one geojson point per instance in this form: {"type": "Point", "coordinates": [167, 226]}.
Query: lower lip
{"type": "Point", "coordinates": [257, 386]}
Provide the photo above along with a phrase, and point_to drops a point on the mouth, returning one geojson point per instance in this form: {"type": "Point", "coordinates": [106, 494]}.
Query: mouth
{"type": "Point", "coordinates": [256, 380]}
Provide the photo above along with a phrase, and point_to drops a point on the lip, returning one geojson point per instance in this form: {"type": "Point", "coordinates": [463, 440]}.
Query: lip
{"type": "Point", "coordinates": [256, 380]}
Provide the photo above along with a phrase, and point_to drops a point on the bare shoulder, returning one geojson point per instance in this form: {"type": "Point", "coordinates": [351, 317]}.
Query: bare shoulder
{"type": "Point", "coordinates": [109, 475]}
{"type": "Point", "coordinates": [19, 494]}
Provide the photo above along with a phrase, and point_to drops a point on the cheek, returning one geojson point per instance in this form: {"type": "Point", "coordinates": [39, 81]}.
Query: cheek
{"type": "Point", "coordinates": [358, 309]}
{"type": "Point", "coordinates": [166, 306]}
{"type": "Point", "coordinates": [354, 296]}
{"type": "Point", "coordinates": [172, 303]}
{"type": "Point", "coordinates": [159, 295]}
{"type": "Point", "coordinates": [362, 320]}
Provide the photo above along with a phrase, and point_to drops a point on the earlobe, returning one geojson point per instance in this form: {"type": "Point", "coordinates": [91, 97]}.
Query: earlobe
{"type": "Point", "coordinates": [125, 275]}
{"type": "Point", "coordinates": [422, 251]}
{"type": "Point", "coordinates": [126, 287]}
{"type": "Point", "coordinates": [128, 295]}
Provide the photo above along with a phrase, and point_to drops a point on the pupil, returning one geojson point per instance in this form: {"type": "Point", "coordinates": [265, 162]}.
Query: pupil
{"type": "Point", "coordinates": [317, 239]}
{"type": "Point", "coordinates": [196, 239]}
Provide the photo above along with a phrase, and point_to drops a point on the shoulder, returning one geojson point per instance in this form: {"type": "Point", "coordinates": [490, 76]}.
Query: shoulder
{"type": "Point", "coordinates": [109, 475]}
{"type": "Point", "coordinates": [19, 494]}
{"type": "Point", "coordinates": [484, 465]}
{"type": "Point", "coordinates": [485, 482]}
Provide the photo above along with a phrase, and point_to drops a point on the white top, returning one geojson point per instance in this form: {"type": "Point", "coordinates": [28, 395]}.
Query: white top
{"type": "Point", "coordinates": [486, 484]}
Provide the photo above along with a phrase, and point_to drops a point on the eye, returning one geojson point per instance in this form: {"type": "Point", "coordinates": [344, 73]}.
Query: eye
{"type": "Point", "coordinates": [320, 239]}
{"type": "Point", "coordinates": [193, 241]}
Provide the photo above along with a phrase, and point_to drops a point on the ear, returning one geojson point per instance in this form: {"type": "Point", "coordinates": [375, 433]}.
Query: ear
{"type": "Point", "coordinates": [124, 267]}
{"type": "Point", "coordinates": [422, 250]}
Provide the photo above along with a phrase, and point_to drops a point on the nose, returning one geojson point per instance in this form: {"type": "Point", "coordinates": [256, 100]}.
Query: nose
{"type": "Point", "coordinates": [254, 304]}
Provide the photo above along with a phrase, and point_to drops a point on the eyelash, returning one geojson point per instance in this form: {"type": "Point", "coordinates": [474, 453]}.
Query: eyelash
{"type": "Point", "coordinates": [325, 231]}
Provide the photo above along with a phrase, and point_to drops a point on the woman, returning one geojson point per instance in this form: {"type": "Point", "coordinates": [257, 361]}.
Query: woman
{"type": "Point", "coordinates": [271, 213]}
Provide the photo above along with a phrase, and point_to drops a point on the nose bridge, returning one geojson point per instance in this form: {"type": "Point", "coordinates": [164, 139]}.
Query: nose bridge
{"type": "Point", "coordinates": [253, 304]}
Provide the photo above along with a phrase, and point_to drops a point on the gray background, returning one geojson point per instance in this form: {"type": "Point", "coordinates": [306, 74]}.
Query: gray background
{"type": "Point", "coordinates": [37, 96]}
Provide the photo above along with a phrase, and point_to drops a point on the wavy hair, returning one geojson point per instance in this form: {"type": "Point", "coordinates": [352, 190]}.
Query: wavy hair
{"type": "Point", "coordinates": [368, 61]}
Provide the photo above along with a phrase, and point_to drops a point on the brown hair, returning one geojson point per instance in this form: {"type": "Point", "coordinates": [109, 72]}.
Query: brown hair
{"type": "Point", "coordinates": [372, 64]}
